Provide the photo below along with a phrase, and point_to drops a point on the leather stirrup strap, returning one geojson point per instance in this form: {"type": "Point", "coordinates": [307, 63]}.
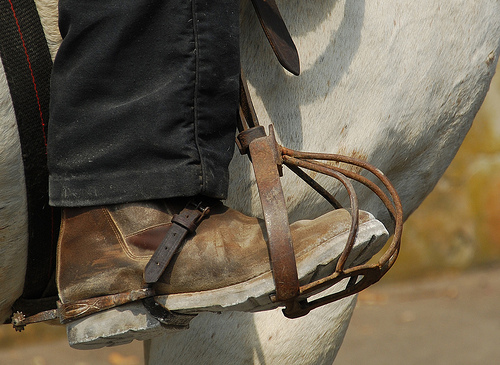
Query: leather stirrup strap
{"type": "Point", "coordinates": [277, 34]}
{"type": "Point", "coordinates": [263, 153]}
{"type": "Point", "coordinates": [266, 161]}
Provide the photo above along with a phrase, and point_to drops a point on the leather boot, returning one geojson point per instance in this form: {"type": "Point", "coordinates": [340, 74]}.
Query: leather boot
{"type": "Point", "coordinates": [103, 251]}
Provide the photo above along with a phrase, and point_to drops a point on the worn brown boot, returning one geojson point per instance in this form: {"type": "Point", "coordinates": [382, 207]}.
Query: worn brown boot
{"type": "Point", "coordinates": [223, 266]}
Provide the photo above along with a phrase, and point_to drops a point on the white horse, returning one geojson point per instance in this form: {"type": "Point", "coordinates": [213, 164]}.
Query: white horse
{"type": "Point", "coordinates": [395, 82]}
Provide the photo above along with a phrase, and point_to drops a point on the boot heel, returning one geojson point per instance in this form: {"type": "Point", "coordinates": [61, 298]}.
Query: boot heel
{"type": "Point", "coordinates": [118, 326]}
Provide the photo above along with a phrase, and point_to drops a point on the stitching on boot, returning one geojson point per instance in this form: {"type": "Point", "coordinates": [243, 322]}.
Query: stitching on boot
{"type": "Point", "coordinates": [120, 237]}
{"type": "Point", "coordinates": [145, 230]}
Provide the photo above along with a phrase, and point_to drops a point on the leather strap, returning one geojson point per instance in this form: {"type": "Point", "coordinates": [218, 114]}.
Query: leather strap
{"type": "Point", "coordinates": [265, 155]}
{"type": "Point", "coordinates": [277, 34]}
{"type": "Point", "coordinates": [81, 308]}
{"type": "Point", "coordinates": [183, 223]}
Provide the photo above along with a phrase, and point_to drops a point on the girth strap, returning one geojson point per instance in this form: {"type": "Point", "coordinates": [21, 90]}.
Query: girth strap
{"type": "Point", "coordinates": [27, 63]}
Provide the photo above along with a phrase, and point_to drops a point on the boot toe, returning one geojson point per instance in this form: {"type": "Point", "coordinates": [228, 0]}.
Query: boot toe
{"type": "Point", "coordinates": [318, 245]}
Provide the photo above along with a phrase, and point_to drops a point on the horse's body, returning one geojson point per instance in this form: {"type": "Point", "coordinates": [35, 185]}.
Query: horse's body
{"type": "Point", "coordinates": [396, 83]}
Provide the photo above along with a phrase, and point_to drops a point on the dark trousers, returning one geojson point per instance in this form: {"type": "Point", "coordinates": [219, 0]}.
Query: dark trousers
{"type": "Point", "coordinates": [144, 100]}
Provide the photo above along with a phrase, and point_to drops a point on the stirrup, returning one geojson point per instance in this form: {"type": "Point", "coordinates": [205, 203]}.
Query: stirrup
{"type": "Point", "coordinates": [267, 158]}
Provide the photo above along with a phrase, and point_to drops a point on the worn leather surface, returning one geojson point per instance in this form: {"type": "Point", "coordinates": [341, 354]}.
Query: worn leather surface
{"type": "Point", "coordinates": [104, 250]}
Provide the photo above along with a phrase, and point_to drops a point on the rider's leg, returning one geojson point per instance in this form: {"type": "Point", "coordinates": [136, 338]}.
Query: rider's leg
{"type": "Point", "coordinates": [143, 107]}
{"type": "Point", "coordinates": [144, 100]}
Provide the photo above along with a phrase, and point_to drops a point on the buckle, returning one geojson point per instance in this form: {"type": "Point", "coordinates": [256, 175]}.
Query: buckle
{"type": "Point", "coordinates": [199, 205]}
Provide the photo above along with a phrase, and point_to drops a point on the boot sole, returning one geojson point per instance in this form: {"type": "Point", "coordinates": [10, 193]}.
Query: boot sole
{"type": "Point", "coordinates": [118, 326]}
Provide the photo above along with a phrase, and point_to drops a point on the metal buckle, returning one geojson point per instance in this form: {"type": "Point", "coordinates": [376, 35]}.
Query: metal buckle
{"type": "Point", "coordinates": [200, 206]}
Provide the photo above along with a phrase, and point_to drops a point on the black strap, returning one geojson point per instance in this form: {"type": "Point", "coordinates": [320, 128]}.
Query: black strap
{"type": "Point", "coordinates": [27, 63]}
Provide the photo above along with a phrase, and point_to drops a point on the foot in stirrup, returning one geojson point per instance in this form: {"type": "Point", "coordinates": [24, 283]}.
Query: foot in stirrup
{"type": "Point", "coordinates": [223, 266]}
